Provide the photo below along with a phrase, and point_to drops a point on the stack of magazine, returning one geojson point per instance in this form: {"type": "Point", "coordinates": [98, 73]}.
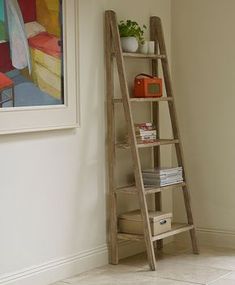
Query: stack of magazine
{"type": "Point", "coordinates": [145, 132]}
{"type": "Point", "coordinates": [162, 177]}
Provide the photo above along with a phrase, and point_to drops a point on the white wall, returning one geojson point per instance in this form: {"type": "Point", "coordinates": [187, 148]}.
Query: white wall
{"type": "Point", "coordinates": [203, 55]}
{"type": "Point", "coordinates": [53, 184]}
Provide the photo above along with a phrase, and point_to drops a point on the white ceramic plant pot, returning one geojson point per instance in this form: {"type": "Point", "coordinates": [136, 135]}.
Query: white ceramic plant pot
{"type": "Point", "coordinates": [144, 48]}
{"type": "Point", "coordinates": [129, 44]}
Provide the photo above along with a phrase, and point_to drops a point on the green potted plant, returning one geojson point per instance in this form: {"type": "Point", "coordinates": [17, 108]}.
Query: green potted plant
{"type": "Point", "coordinates": [132, 35]}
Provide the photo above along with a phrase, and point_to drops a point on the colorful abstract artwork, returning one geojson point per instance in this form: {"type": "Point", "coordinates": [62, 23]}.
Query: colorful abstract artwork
{"type": "Point", "coordinates": [31, 53]}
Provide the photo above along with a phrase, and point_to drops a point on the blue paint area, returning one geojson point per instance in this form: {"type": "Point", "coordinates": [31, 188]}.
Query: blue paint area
{"type": "Point", "coordinates": [26, 93]}
{"type": "Point", "coordinates": [17, 77]}
{"type": "Point", "coordinates": [2, 18]}
{"type": "Point", "coordinates": [20, 79]}
{"type": "Point", "coordinates": [13, 73]}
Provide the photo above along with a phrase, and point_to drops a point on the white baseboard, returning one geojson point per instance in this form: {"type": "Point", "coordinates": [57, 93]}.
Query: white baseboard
{"type": "Point", "coordinates": [217, 238]}
{"type": "Point", "coordinates": [211, 237]}
{"type": "Point", "coordinates": [59, 269]}
{"type": "Point", "coordinates": [63, 268]}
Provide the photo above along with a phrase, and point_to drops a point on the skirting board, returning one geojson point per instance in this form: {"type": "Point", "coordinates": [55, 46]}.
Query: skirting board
{"type": "Point", "coordinates": [60, 269]}
{"type": "Point", "coordinates": [217, 238]}
{"type": "Point", "coordinates": [211, 237]}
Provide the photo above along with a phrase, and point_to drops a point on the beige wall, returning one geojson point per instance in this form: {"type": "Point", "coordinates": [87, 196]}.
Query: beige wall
{"type": "Point", "coordinates": [203, 48]}
{"type": "Point", "coordinates": [53, 184]}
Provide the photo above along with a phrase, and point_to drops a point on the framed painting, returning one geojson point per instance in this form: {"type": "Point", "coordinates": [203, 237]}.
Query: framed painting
{"type": "Point", "coordinates": [38, 65]}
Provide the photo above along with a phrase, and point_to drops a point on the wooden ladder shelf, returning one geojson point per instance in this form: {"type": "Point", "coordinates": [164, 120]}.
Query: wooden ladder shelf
{"type": "Point", "coordinates": [114, 50]}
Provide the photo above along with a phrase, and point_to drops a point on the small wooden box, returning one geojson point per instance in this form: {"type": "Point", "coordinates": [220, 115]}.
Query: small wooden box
{"type": "Point", "coordinates": [131, 222]}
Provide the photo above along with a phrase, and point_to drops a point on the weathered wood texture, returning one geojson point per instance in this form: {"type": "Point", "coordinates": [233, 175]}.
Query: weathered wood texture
{"type": "Point", "coordinates": [113, 242]}
{"type": "Point", "coordinates": [156, 120]}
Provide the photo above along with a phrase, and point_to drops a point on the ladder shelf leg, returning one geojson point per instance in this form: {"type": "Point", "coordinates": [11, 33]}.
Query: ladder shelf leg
{"type": "Point", "coordinates": [156, 121]}
{"type": "Point", "coordinates": [133, 143]}
{"type": "Point", "coordinates": [113, 242]}
{"type": "Point", "coordinates": [190, 220]}
{"type": "Point", "coordinates": [174, 123]}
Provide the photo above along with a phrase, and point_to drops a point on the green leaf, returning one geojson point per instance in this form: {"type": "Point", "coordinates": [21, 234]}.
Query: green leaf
{"type": "Point", "coordinates": [131, 28]}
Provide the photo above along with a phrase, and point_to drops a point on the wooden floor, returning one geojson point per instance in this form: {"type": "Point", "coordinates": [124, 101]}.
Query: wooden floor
{"type": "Point", "coordinates": [176, 266]}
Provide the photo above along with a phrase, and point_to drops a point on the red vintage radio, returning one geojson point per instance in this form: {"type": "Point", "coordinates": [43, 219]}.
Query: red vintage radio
{"type": "Point", "coordinates": [146, 86]}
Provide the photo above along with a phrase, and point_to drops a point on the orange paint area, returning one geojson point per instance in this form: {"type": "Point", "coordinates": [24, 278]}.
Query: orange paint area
{"type": "Point", "coordinates": [5, 81]}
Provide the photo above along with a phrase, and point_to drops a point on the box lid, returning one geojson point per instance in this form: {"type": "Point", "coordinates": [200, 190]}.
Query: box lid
{"type": "Point", "coordinates": [154, 216]}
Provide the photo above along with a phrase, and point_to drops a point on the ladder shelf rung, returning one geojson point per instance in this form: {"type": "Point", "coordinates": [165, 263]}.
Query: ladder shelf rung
{"type": "Point", "coordinates": [123, 236]}
{"type": "Point", "coordinates": [175, 229]}
{"type": "Point", "coordinates": [130, 189]}
{"type": "Point", "coordinates": [143, 56]}
{"type": "Point", "coordinates": [158, 142]}
{"type": "Point", "coordinates": [152, 190]}
{"type": "Point", "coordinates": [148, 145]}
{"type": "Point", "coordinates": [144, 100]}
{"type": "Point", "coordinates": [152, 99]}
{"type": "Point", "coordinates": [148, 190]}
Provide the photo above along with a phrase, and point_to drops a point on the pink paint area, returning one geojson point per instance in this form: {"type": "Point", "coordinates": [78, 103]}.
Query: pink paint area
{"type": "Point", "coordinates": [46, 43]}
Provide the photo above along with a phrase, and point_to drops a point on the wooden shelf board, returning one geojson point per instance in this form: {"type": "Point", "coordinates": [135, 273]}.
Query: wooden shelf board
{"type": "Point", "coordinates": [144, 100]}
{"type": "Point", "coordinates": [130, 189]}
{"type": "Point", "coordinates": [117, 100]}
{"type": "Point", "coordinates": [159, 99]}
{"type": "Point", "coordinates": [176, 229]}
{"type": "Point", "coordinates": [124, 236]}
{"type": "Point", "coordinates": [148, 145]}
{"type": "Point", "coordinates": [153, 190]}
{"type": "Point", "coordinates": [141, 55]}
{"type": "Point", "coordinates": [123, 145]}
{"type": "Point", "coordinates": [157, 143]}
{"type": "Point", "coordinates": [150, 190]}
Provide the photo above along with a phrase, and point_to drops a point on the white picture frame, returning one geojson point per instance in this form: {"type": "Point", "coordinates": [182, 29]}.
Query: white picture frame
{"type": "Point", "coordinates": [53, 117]}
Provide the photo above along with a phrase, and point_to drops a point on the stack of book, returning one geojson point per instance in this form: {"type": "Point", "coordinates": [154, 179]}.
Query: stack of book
{"type": "Point", "coordinates": [145, 133]}
{"type": "Point", "coordinates": [162, 177]}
